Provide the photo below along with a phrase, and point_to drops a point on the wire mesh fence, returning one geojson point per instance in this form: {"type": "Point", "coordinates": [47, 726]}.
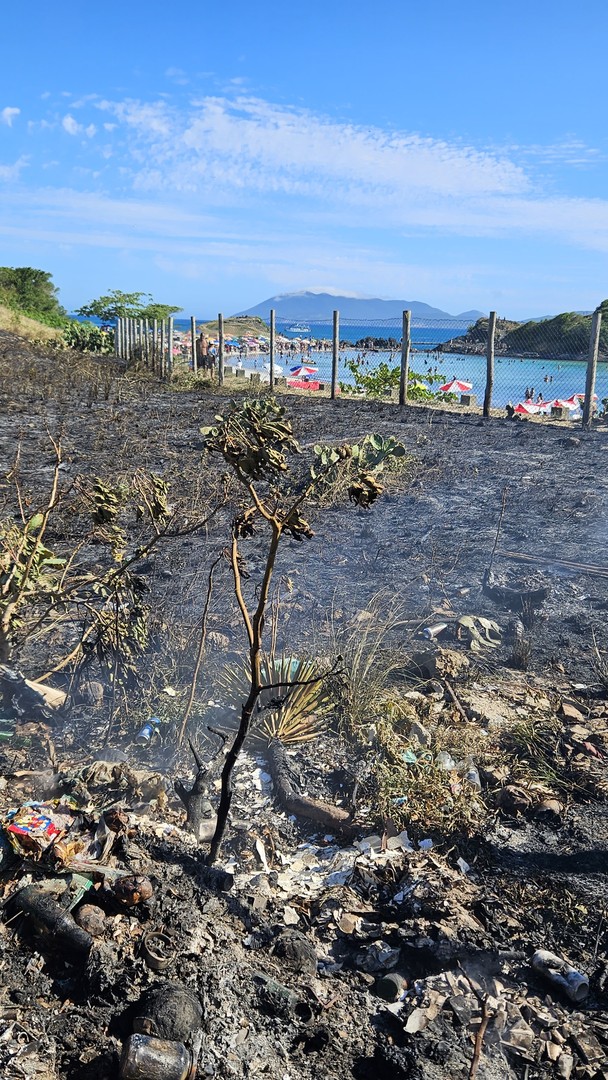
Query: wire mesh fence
{"type": "Point", "coordinates": [534, 368]}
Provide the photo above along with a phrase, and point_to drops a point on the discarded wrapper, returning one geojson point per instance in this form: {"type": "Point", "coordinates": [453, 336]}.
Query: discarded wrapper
{"type": "Point", "coordinates": [37, 827]}
{"type": "Point", "coordinates": [34, 827]}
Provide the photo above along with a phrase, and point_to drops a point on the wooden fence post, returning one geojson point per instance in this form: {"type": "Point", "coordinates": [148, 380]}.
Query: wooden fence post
{"type": "Point", "coordinates": [405, 356]}
{"type": "Point", "coordinates": [193, 344]}
{"type": "Point", "coordinates": [170, 348]}
{"type": "Point", "coordinates": [487, 401]}
{"type": "Point", "coordinates": [594, 348]}
{"type": "Point", "coordinates": [271, 355]}
{"type": "Point", "coordinates": [335, 355]}
{"type": "Point", "coordinates": [161, 365]}
{"type": "Point", "coordinates": [155, 345]}
{"type": "Point", "coordinates": [220, 359]}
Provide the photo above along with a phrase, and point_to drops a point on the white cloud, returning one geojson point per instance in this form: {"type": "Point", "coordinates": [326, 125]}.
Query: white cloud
{"type": "Point", "coordinates": [8, 114]}
{"type": "Point", "coordinates": [10, 173]}
{"type": "Point", "coordinates": [71, 125]}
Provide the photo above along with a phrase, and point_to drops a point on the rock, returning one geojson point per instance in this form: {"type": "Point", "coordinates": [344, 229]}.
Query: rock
{"type": "Point", "coordinates": [420, 733]}
{"type": "Point", "coordinates": [550, 809]}
{"type": "Point", "coordinates": [565, 1066]}
{"type": "Point", "coordinates": [570, 712]}
{"type": "Point", "coordinates": [91, 692]}
{"type": "Point", "coordinates": [513, 799]}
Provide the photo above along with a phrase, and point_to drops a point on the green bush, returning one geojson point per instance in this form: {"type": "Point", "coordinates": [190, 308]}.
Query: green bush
{"type": "Point", "coordinates": [85, 337]}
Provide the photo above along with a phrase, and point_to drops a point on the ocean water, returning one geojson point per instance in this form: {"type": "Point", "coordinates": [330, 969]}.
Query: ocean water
{"type": "Point", "coordinates": [512, 375]}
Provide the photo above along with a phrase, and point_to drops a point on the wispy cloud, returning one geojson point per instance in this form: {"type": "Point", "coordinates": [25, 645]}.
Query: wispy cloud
{"type": "Point", "coordinates": [10, 173]}
{"type": "Point", "coordinates": [8, 114]}
{"type": "Point", "coordinates": [72, 127]}
{"type": "Point", "coordinates": [236, 181]}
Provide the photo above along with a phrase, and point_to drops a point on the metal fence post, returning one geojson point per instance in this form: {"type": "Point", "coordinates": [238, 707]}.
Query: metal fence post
{"type": "Point", "coordinates": [220, 359]}
{"type": "Point", "coordinates": [271, 355]}
{"type": "Point", "coordinates": [487, 401]}
{"type": "Point", "coordinates": [335, 355]}
{"type": "Point", "coordinates": [594, 348]}
{"type": "Point", "coordinates": [193, 344]}
{"type": "Point", "coordinates": [405, 356]}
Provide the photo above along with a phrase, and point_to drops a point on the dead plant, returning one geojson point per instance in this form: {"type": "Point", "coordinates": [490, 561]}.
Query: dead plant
{"type": "Point", "coordinates": [257, 442]}
{"type": "Point", "coordinates": [371, 646]}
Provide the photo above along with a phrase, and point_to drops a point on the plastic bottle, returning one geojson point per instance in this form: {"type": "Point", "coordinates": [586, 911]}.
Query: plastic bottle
{"type": "Point", "coordinates": [574, 984]}
{"type": "Point", "coordinates": [147, 732]}
{"type": "Point", "coordinates": [47, 916]}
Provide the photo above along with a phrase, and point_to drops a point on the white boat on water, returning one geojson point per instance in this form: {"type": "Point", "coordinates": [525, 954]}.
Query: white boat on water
{"type": "Point", "coordinates": [298, 328]}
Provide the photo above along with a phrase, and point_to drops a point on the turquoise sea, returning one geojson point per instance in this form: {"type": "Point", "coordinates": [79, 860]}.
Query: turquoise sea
{"type": "Point", "coordinates": [512, 375]}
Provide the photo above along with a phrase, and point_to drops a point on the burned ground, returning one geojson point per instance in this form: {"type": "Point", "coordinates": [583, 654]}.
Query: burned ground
{"type": "Point", "coordinates": [521, 866]}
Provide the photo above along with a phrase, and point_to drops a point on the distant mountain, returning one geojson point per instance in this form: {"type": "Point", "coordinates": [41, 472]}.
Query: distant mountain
{"type": "Point", "coordinates": [313, 306]}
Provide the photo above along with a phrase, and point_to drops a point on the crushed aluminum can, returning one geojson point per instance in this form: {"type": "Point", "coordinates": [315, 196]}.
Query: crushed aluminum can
{"type": "Point", "coordinates": [147, 732]}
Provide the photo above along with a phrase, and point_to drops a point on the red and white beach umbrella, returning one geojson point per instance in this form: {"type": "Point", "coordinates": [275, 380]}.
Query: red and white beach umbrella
{"type": "Point", "coordinates": [563, 403]}
{"type": "Point", "coordinates": [456, 386]}
{"type": "Point", "coordinates": [302, 369]}
{"type": "Point", "coordinates": [528, 408]}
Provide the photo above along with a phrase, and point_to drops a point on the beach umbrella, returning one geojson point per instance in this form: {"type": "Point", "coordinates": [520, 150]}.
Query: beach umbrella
{"type": "Point", "coordinates": [528, 408]}
{"type": "Point", "coordinates": [303, 369]}
{"type": "Point", "coordinates": [456, 386]}
{"type": "Point", "coordinates": [581, 397]}
{"type": "Point", "coordinates": [562, 403]}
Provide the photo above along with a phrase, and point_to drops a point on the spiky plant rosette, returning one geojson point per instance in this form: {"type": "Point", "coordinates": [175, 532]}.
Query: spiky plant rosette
{"type": "Point", "coordinates": [293, 713]}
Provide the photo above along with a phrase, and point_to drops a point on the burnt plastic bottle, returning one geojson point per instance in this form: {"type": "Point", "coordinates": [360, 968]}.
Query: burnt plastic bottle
{"type": "Point", "coordinates": [48, 917]}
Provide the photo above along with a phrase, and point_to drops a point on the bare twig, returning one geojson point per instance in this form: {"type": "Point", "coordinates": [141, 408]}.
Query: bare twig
{"type": "Point", "coordinates": [503, 506]}
{"type": "Point", "coordinates": [455, 700]}
{"type": "Point", "coordinates": [201, 650]}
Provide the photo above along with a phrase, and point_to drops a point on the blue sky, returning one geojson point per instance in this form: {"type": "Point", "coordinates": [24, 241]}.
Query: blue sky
{"type": "Point", "coordinates": [216, 154]}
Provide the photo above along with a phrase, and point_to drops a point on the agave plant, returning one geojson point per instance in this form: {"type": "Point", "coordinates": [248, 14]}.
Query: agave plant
{"type": "Point", "coordinates": [292, 713]}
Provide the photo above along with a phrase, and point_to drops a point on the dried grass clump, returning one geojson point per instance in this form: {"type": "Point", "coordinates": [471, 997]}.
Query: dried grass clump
{"type": "Point", "coordinates": [371, 647]}
{"type": "Point", "coordinates": [421, 796]}
{"type": "Point", "coordinates": [537, 758]}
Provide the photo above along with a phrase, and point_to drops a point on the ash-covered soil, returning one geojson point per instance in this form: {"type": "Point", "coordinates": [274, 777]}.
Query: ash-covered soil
{"type": "Point", "coordinates": [461, 934]}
